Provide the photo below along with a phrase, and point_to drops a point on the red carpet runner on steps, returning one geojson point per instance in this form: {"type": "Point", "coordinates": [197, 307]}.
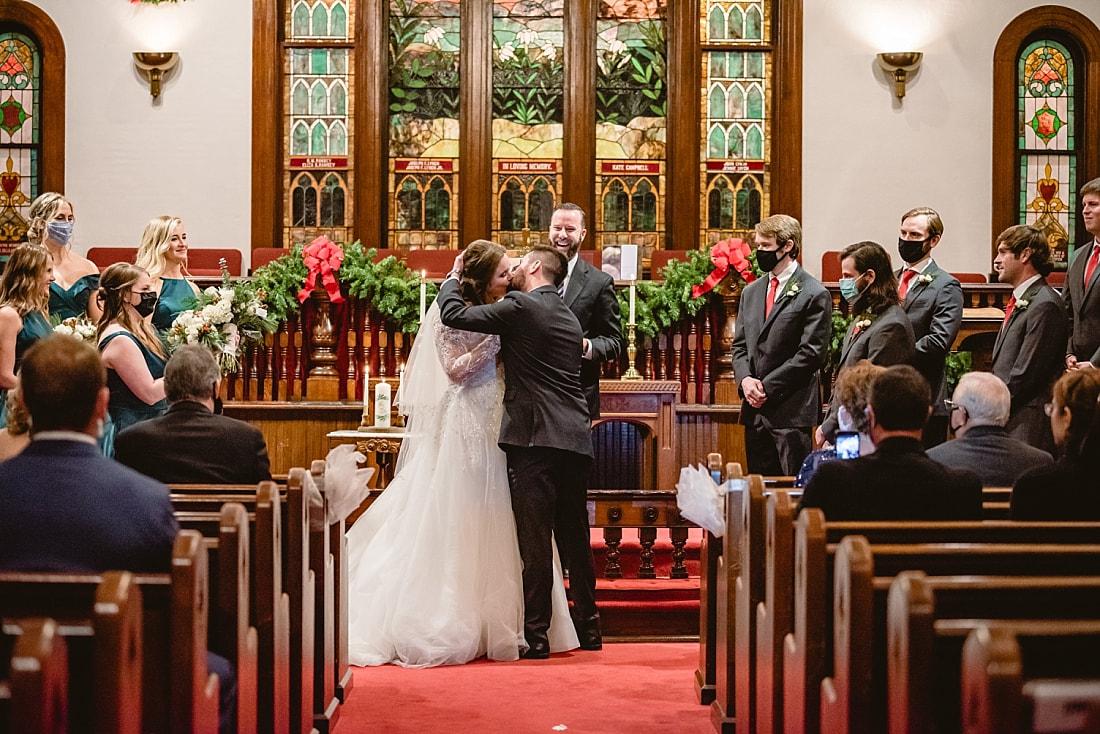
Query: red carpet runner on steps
{"type": "Point", "coordinates": [626, 688]}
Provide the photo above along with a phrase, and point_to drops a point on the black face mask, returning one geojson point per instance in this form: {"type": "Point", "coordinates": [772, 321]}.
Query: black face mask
{"type": "Point", "coordinates": [148, 303]}
{"type": "Point", "coordinates": [911, 251]}
{"type": "Point", "coordinates": [767, 259]}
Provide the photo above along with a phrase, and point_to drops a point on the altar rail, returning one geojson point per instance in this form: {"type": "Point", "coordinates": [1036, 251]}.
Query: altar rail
{"type": "Point", "coordinates": [323, 353]}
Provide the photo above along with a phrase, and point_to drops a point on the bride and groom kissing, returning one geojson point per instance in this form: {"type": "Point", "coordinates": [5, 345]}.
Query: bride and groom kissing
{"type": "Point", "coordinates": [459, 556]}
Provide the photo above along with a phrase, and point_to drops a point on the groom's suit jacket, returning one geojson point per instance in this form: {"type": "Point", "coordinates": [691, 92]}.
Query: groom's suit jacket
{"type": "Point", "coordinates": [541, 349]}
{"type": "Point", "coordinates": [935, 310]}
{"type": "Point", "coordinates": [1029, 356]}
{"type": "Point", "coordinates": [590, 295]}
{"type": "Point", "coordinates": [1083, 305]}
{"type": "Point", "coordinates": [886, 342]}
{"type": "Point", "coordinates": [786, 350]}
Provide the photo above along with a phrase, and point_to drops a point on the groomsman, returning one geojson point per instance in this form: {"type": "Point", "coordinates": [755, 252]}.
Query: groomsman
{"type": "Point", "coordinates": [1081, 295]}
{"type": "Point", "coordinates": [1027, 355]}
{"type": "Point", "coordinates": [590, 295]}
{"type": "Point", "coordinates": [933, 300]}
{"type": "Point", "coordinates": [780, 346]}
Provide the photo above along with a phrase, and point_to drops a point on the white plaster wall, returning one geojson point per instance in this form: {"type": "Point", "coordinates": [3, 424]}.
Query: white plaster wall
{"type": "Point", "coordinates": [868, 158]}
{"type": "Point", "coordinates": [188, 154]}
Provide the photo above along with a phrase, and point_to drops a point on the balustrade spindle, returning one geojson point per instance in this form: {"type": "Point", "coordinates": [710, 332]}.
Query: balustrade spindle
{"type": "Point", "coordinates": [647, 536]}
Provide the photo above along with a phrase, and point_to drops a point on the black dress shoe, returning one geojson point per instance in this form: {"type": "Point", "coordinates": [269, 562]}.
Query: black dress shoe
{"type": "Point", "coordinates": [538, 651]}
{"type": "Point", "coordinates": [590, 640]}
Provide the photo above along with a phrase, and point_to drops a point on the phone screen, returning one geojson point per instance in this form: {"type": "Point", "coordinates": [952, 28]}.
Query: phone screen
{"type": "Point", "coordinates": [847, 445]}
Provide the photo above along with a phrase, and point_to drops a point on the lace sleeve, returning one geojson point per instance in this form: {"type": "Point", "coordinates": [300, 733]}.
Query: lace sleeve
{"type": "Point", "coordinates": [463, 354]}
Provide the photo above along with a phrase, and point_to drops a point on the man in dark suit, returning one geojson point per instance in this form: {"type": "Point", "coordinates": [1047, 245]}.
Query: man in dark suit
{"type": "Point", "coordinates": [933, 300]}
{"type": "Point", "coordinates": [898, 481]}
{"type": "Point", "coordinates": [1081, 295]}
{"type": "Point", "coordinates": [190, 443]}
{"type": "Point", "coordinates": [1028, 354]}
{"type": "Point", "coordinates": [783, 329]}
{"type": "Point", "coordinates": [66, 507]}
{"type": "Point", "coordinates": [978, 412]}
{"type": "Point", "coordinates": [590, 295]}
{"type": "Point", "coordinates": [545, 434]}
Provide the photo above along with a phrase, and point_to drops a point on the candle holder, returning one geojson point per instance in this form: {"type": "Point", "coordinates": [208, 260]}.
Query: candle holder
{"type": "Point", "coordinates": [631, 353]}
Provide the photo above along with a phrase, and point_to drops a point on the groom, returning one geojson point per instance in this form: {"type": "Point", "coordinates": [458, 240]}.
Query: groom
{"type": "Point", "coordinates": [544, 432]}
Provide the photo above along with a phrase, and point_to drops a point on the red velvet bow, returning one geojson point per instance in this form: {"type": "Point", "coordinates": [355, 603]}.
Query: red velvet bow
{"type": "Point", "coordinates": [323, 257]}
{"type": "Point", "coordinates": [725, 254]}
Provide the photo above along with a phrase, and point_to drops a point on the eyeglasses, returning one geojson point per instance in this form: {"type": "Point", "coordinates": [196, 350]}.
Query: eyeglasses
{"type": "Point", "coordinates": [951, 405]}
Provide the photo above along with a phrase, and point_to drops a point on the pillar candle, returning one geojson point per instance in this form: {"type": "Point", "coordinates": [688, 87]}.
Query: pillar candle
{"type": "Point", "coordinates": [423, 295]}
{"type": "Point", "coordinates": [366, 393]}
{"type": "Point", "coordinates": [382, 404]}
{"type": "Point", "coordinates": [631, 321]}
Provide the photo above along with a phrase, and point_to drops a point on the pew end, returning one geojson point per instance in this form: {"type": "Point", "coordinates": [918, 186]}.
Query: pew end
{"type": "Point", "coordinates": [38, 681]}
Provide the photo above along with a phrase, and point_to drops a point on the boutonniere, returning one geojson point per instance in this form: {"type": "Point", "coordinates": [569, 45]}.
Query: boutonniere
{"type": "Point", "coordinates": [793, 288]}
{"type": "Point", "coordinates": [1021, 304]}
{"type": "Point", "coordinates": [860, 325]}
{"type": "Point", "coordinates": [925, 278]}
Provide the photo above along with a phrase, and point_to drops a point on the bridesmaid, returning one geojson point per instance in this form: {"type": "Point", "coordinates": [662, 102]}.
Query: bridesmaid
{"type": "Point", "coordinates": [135, 362]}
{"type": "Point", "coordinates": [24, 311]}
{"type": "Point", "coordinates": [163, 253]}
{"type": "Point", "coordinates": [76, 278]}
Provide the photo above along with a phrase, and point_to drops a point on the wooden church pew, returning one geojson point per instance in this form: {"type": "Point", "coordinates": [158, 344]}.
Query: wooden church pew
{"type": "Point", "coordinates": [34, 691]}
{"type": "Point", "coordinates": [160, 676]}
{"type": "Point", "coordinates": [927, 621]}
{"type": "Point", "coordinates": [805, 664]}
{"type": "Point", "coordinates": [999, 658]}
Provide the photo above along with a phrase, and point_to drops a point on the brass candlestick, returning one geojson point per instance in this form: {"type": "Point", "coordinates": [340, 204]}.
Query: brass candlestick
{"type": "Point", "coordinates": [631, 353]}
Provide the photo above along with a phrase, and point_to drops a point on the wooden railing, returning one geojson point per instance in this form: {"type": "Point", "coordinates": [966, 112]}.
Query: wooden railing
{"type": "Point", "coordinates": [324, 353]}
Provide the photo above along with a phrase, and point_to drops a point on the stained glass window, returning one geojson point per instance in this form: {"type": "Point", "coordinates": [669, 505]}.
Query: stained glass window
{"type": "Point", "coordinates": [736, 152]}
{"type": "Point", "coordinates": [20, 87]}
{"type": "Point", "coordinates": [631, 123]}
{"type": "Point", "coordinates": [320, 82]}
{"type": "Point", "coordinates": [424, 99]}
{"type": "Point", "coordinates": [528, 92]}
{"type": "Point", "coordinates": [1046, 144]}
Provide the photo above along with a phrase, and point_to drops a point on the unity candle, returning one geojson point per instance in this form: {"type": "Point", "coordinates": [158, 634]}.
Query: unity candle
{"type": "Point", "coordinates": [382, 404]}
{"type": "Point", "coordinates": [366, 394]}
{"type": "Point", "coordinates": [631, 321]}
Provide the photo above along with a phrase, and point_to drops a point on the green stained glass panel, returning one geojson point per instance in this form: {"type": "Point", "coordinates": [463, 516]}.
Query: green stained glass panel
{"type": "Point", "coordinates": [631, 97]}
{"type": "Point", "coordinates": [20, 89]}
{"type": "Point", "coordinates": [632, 9]}
{"type": "Point", "coordinates": [318, 19]}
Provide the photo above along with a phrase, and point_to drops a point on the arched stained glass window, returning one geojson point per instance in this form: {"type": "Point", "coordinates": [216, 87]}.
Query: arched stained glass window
{"type": "Point", "coordinates": [318, 139]}
{"type": "Point", "coordinates": [339, 21]}
{"type": "Point", "coordinates": [318, 99]}
{"type": "Point", "coordinates": [410, 206]}
{"type": "Point", "coordinates": [304, 201]}
{"type": "Point", "coordinates": [332, 202]}
{"type": "Point", "coordinates": [338, 99]}
{"type": "Point", "coordinates": [616, 206]}
{"type": "Point", "coordinates": [540, 206]}
{"type": "Point", "coordinates": [513, 206]}
{"type": "Point", "coordinates": [748, 204]}
{"type": "Point", "coordinates": [437, 206]}
{"type": "Point", "coordinates": [717, 101]}
{"type": "Point", "coordinates": [720, 205]}
{"type": "Point", "coordinates": [716, 142]}
{"type": "Point", "coordinates": [320, 20]}
{"type": "Point", "coordinates": [338, 139]}
{"type": "Point", "coordinates": [20, 137]}
{"type": "Point", "coordinates": [736, 23]}
{"type": "Point", "coordinates": [643, 208]}
{"type": "Point", "coordinates": [717, 20]}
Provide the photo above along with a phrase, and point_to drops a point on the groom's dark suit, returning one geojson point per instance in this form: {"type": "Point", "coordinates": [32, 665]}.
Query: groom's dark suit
{"type": "Point", "coordinates": [545, 433]}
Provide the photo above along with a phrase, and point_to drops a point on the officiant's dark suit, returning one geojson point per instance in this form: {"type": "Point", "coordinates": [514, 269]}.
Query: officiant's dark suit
{"type": "Point", "coordinates": [191, 444]}
{"type": "Point", "coordinates": [590, 295]}
{"type": "Point", "coordinates": [786, 351]}
{"type": "Point", "coordinates": [545, 434]}
{"type": "Point", "coordinates": [1083, 306]}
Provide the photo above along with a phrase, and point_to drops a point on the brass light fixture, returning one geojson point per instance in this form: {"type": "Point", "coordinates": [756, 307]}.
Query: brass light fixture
{"type": "Point", "coordinates": [900, 64]}
{"type": "Point", "coordinates": [153, 65]}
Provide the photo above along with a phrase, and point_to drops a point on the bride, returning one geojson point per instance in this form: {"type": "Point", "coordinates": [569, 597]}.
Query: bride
{"type": "Point", "coordinates": [434, 564]}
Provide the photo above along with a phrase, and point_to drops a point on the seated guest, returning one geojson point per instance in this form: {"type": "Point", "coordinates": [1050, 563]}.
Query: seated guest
{"type": "Point", "coordinates": [24, 309]}
{"type": "Point", "coordinates": [1069, 489]}
{"type": "Point", "coordinates": [853, 387]}
{"type": "Point", "coordinates": [190, 443]}
{"type": "Point", "coordinates": [135, 363]}
{"type": "Point", "coordinates": [66, 507]}
{"type": "Point", "coordinates": [898, 481]}
{"type": "Point", "coordinates": [76, 278]}
{"type": "Point", "coordinates": [163, 253]}
{"type": "Point", "coordinates": [978, 412]}
{"type": "Point", "coordinates": [14, 437]}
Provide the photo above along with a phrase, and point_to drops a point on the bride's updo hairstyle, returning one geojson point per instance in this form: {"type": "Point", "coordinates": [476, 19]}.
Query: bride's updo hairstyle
{"type": "Point", "coordinates": [479, 264]}
{"type": "Point", "coordinates": [115, 287]}
{"type": "Point", "coordinates": [1079, 390]}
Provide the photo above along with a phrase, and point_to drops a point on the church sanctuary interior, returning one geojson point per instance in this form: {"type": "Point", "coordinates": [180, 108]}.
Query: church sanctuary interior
{"type": "Point", "coordinates": [330, 158]}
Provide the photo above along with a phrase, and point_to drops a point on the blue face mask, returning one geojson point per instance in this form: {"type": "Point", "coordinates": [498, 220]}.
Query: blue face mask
{"type": "Point", "coordinates": [849, 290]}
{"type": "Point", "coordinates": [60, 232]}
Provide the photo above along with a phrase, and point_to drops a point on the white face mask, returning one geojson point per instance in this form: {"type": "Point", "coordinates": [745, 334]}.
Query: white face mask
{"type": "Point", "coordinates": [844, 420]}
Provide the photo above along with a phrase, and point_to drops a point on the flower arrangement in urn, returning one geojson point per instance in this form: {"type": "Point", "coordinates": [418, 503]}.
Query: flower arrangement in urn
{"type": "Point", "coordinates": [223, 319]}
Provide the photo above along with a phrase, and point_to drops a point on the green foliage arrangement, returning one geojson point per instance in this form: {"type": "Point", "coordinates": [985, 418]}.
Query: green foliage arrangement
{"type": "Point", "coordinates": [836, 340]}
{"type": "Point", "coordinates": [391, 288]}
{"type": "Point", "coordinates": [956, 365]}
{"type": "Point", "coordinates": [660, 304]}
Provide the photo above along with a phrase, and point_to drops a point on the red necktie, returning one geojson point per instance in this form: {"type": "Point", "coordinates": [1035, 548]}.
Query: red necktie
{"type": "Point", "coordinates": [904, 287]}
{"type": "Point", "coordinates": [773, 286]}
{"type": "Point", "coordinates": [1008, 310]}
{"type": "Point", "coordinates": [1093, 259]}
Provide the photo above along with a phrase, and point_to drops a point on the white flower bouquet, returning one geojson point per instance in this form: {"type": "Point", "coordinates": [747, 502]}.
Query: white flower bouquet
{"type": "Point", "coordinates": [223, 319]}
{"type": "Point", "coordinates": [79, 327]}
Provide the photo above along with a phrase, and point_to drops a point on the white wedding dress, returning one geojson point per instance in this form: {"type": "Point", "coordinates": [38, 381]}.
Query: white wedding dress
{"type": "Point", "coordinates": [434, 566]}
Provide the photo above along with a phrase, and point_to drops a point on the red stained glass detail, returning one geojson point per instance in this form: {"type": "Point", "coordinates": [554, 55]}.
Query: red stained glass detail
{"type": "Point", "coordinates": [13, 116]}
{"type": "Point", "coordinates": [1048, 190]}
{"type": "Point", "coordinates": [1045, 127]}
{"type": "Point", "coordinates": [12, 65]}
{"type": "Point", "coordinates": [1045, 74]}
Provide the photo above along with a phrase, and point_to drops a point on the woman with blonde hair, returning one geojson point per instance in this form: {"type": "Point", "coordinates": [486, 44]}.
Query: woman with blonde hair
{"type": "Point", "coordinates": [24, 310]}
{"type": "Point", "coordinates": [135, 363]}
{"type": "Point", "coordinates": [163, 253]}
{"type": "Point", "coordinates": [76, 278]}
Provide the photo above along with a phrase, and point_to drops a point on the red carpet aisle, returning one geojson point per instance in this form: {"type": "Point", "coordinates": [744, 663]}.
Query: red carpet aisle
{"type": "Point", "coordinates": [635, 688]}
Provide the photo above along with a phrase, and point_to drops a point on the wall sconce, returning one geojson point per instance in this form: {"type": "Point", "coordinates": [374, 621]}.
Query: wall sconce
{"type": "Point", "coordinates": [153, 65]}
{"type": "Point", "coordinates": [900, 64]}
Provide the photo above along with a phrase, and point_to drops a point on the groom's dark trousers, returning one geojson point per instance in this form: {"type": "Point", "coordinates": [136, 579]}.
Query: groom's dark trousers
{"type": "Point", "coordinates": [545, 432]}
